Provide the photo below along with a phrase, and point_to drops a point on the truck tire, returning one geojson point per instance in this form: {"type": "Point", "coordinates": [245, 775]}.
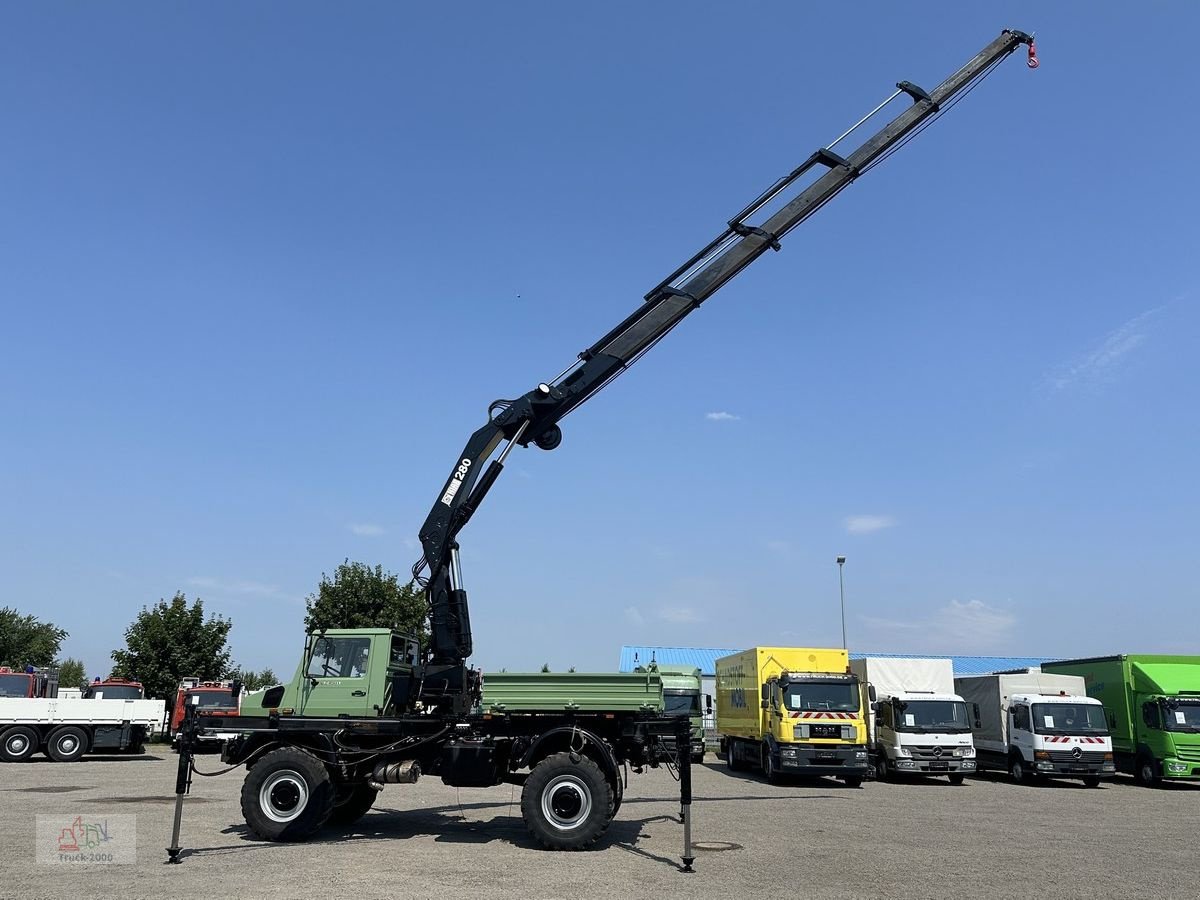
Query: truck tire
{"type": "Point", "coordinates": [852, 781]}
{"type": "Point", "coordinates": [618, 789]}
{"type": "Point", "coordinates": [566, 802]}
{"type": "Point", "coordinates": [698, 758]}
{"type": "Point", "coordinates": [1092, 781]}
{"type": "Point", "coordinates": [66, 744]}
{"type": "Point", "coordinates": [957, 778]}
{"type": "Point", "coordinates": [1146, 772]}
{"type": "Point", "coordinates": [18, 743]}
{"type": "Point", "coordinates": [768, 766]}
{"type": "Point", "coordinates": [351, 802]}
{"type": "Point", "coordinates": [731, 755]}
{"type": "Point", "coordinates": [287, 795]}
{"type": "Point", "coordinates": [1018, 770]}
{"type": "Point", "coordinates": [883, 769]}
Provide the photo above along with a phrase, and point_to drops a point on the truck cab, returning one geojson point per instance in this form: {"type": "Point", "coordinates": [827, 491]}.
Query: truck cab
{"type": "Point", "coordinates": [922, 733]}
{"type": "Point", "coordinates": [113, 689]}
{"type": "Point", "coordinates": [681, 696]}
{"type": "Point", "coordinates": [357, 672]}
{"type": "Point", "coordinates": [32, 682]}
{"type": "Point", "coordinates": [1058, 735]}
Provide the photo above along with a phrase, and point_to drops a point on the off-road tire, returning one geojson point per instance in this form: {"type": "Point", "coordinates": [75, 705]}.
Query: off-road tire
{"type": "Point", "coordinates": [351, 802]}
{"type": "Point", "coordinates": [66, 743]}
{"type": "Point", "coordinates": [287, 795]}
{"type": "Point", "coordinates": [957, 778]}
{"type": "Point", "coordinates": [18, 743]}
{"type": "Point", "coordinates": [567, 802]}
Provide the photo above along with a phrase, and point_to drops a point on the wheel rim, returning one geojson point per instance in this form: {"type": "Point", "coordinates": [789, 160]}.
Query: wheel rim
{"type": "Point", "coordinates": [283, 796]}
{"type": "Point", "coordinates": [17, 744]}
{"type": "Point", "coordinates": [1147, 773]}
{"type": "Point", "coordinates": [68, 744]}
{"type": "Point", "coordinates": [1018, 773]}
{"type": "Point", "coordinates": [566, 802]}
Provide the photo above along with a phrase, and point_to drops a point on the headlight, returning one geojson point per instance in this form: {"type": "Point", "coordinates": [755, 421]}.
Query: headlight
{"type": "Point", "coordinates": [968, 751]}
{"type": "Point", "coordinates": [788, 752]}
{"type": "Point", "coordinates": [860, 754]}
{"type": "Point", "coordinates": [800, 732]}
{"type": "Point", "coordinates": [903, 752]}
{"type": "Point", "coordinates": [847, 732]}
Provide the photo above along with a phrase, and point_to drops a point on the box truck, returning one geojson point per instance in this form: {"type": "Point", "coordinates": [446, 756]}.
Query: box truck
{"type": "Point", "coordinates": [792, 711]}
{"type": "Point", "coordinates": [1153, 708]}
{"type": "Point", "coordinates": [1034, 724]}
{"type": "Point", "coordinates": [916, 724]}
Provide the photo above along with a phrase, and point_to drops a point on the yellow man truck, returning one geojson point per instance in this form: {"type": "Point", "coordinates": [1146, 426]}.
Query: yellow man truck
{"type": "Point", "coordinates": [792, 711]}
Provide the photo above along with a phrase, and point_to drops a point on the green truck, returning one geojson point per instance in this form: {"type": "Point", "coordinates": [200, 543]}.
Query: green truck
{"type": "Point", "coordinates": [681, 696]}
{"type": "Point", "coordinates": [1153, 707]}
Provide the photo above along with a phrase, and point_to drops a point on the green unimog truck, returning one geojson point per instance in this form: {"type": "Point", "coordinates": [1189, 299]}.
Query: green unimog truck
{"type": "Point", "coordinates": [1153, 707]}
{"type": "Point", "coordinates": [681, 696]}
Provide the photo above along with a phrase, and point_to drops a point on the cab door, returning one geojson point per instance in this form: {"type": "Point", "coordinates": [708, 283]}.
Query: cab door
{"type": "Point", "coordinates": [337, 682]}
{"type": "Point", "coordinates": [1020, 732]}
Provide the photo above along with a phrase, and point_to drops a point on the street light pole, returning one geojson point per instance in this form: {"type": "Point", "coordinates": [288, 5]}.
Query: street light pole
{"type": "Point", "coordinates": [841, 561]}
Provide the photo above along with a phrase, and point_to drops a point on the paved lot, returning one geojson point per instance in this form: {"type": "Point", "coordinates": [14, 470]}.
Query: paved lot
{"type": "Point", "coordinates": [987, 838]}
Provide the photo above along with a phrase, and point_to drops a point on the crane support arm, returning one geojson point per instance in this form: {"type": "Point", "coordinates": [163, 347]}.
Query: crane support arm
{"type": "Point", "coordinates": [534, 417]}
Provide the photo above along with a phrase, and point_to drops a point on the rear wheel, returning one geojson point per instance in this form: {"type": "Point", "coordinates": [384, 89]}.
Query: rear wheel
{"type": "Point", "coordinates": [567, 802]}
{"type": "Point", "coordinates": [287, 796]}
{"type": "Point", "coordinates": [18, 743]}
{"type": "Point", "coordinates": [731, 759]}
{"type": "Point", "coordinates": [66, 744]}
{"type": "Point", "coordinates": [351, 802]}
{"type": "Point", "coordinates": [957, 778]}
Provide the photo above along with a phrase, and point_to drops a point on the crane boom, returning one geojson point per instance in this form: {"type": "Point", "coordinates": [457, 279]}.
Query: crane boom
{"type": "Point", "coordinates": [534, 417]}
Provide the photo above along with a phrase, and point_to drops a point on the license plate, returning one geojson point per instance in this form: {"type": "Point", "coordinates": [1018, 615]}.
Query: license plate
{"type": "Point", "coordinates": [826, 754]}
{"type": "Point", "coordinates": [939, 766]}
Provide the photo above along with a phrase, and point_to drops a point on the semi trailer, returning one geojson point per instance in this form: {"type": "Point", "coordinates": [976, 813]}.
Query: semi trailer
{"type": "Point", "coordinates": [423, 719]}
{"type": "Point", "coordinates": [792, 711]}
{"type": "Point", "coordinates": [1034, 724]}
{"type": "Point", "coordinates": [1152, 703]}
{"type": "Point", "coordinates": [916, 724]}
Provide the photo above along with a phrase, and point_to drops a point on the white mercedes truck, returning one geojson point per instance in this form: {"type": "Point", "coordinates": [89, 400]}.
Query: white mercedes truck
{"type": "Point", "coordinates": [1036, 725]}
{"type": "Point", "coordinates": [917, 724]}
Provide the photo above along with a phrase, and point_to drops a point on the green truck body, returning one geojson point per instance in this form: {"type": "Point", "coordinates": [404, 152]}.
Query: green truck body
{"type": "Point", "coordinates": [1153, 707]}
{"type": "Point", "coordinates": [681, 695]}
{"type": "Point", "coordinates": [516, 692]}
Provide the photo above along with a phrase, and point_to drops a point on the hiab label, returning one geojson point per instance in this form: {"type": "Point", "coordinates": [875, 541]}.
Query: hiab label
{"type": "Point", "coordinates": [456, 481]}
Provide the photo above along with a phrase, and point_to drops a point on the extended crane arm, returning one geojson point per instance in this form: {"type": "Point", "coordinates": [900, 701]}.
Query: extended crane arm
{"type": "Point", "coordinates": [534, 417]}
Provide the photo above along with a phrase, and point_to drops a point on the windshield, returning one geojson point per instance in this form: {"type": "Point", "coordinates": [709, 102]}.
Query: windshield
{"type": "Point", "coordinates": [221, 699]}
{"type": "Point", "coordinates": [114, 692]}
{"type": "Point", "coordinates": [681, 704]}
{"type": "Point", "coordinates": [924, 716]}
{"type": "Point", "coordinates": [14, 685]}
{"type": "Point", "coordinates": [820, 696]}
{"type": "Point", "coordinates": [1067, 718]}
{"type": "Point", "coordinates": [1182, 716]}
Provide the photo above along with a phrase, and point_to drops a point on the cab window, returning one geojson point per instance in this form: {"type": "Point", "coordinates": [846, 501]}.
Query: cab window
{"type": "Point", "coordinates": [1021, 718]}
{"type": "Point", "coordinates": [339, 657]}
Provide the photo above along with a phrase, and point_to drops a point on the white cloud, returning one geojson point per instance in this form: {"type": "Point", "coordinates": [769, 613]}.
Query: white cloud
{"type": "Point", "coordinates": [1102, 364]}
{"type": "Point", "coordinates": [961, 626]}
{"type": "Point", "coordinates": [680, 614]}
{"type": "Point", "coordinates": [366, 529]}
{"type": "Point", "coordinates": [867, 524]}
{"type": "Point", "coordinates": [722, 416]}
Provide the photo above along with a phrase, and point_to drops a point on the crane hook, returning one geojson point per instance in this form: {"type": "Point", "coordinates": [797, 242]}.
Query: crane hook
{"type": "Point", "coordinates": [1033, 60]}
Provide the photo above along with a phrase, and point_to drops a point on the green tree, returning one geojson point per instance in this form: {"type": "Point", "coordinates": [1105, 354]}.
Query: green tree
{"type": "Point", "coordinates": [172, 640]}
{"type": "Point", "coordinates": [253, 680]}
{"type": "Point", "coordinates": [361, 597]}
{"type": "Point", "coordinates": [27, 641]}
{"type": "Point", "coordinates": [71, 672]}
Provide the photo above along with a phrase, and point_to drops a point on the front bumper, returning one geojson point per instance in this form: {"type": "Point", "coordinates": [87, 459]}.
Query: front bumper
{"type": "Point", "coordinates": [944, 766]}
{"type": "Point", "coordinates": [801, 759]}
{"type": "Point", "coordinates": [1074, 770]}
{"type": "Point", "coordinates": [1180, 768]}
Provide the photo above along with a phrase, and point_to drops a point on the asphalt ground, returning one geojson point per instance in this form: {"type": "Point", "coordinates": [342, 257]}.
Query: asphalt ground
{"type": "Point", "coordinates": [987, 838]}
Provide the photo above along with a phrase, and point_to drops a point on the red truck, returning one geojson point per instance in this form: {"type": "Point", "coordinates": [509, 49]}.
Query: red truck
{"type": "Point", "coordinates": [113, 689]}
{"type": "Point", "coordinates": [212, 698]}
{"type": "Point", "coordinates": [29, 683]}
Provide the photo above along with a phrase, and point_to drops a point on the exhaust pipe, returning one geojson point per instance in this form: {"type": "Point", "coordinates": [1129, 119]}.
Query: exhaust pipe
{"type": "Point", "coordinates": [406, 772]}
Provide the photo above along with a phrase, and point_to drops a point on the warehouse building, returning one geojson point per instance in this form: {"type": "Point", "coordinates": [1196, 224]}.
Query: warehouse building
{"type": "Point", "coordinates": [705, 659]}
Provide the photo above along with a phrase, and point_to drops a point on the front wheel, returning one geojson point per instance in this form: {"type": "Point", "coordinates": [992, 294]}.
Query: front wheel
{"type": "Point", "coordinates": [1147, 772]}
{"type": "Point", "coordinates": [566, 802]}
{"type": "Point", "coordinates": [1092, 781]}
{"type": "Point", "coordinates": [768, 765]}
{"type": "Point", "coordinates": [957, 779]}
{"type": "Point", "coordinates": [287, 796]}
{"type": "Point", "coordinates": [731, 755]}
{"type": "Point", "coordinates": [1016, 768]}
{"type": "Point", "coordinates": [853, 781]}
{"type": "Point", "coordinates": [883, 769]}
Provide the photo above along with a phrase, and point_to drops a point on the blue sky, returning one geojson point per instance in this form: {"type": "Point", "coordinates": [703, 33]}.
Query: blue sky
{"type": "Point", "coordinates": [263, 268]}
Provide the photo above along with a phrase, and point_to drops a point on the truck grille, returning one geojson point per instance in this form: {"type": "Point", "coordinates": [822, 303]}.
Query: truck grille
{"type": "Point", "coordinates": [931, 752]}
{"type": "Point", "coordinates": [1188, 754]}
{"type": "Point", "coordinates": [1068, 756]}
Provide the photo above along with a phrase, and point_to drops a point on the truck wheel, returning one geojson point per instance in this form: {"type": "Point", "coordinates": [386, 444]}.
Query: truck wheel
{"type": "Point", "coordinates": [287, 796]}
{"type": "Point", "coordinates": [618, 789]}
{"type": "Point", "coordinates": [731, 755]}
{"type": "Point", "coordinates": [1016, 768]}
{"type": "Point", "coordinates": [883, 769]}
{"type": "Point", "coordinates": [18, 743]}
{"type": "Point", "coordinates": [1091, 781]}
{"type": "Point", "coordinates": [1147, 772]}
{"type": "Point", "coordinates": [853, 781]}
{"type": "Point", "coordinates": [566, 802]}
{"type": "Point", "coordinates": [768, 765]}
{"type": "Point", "coordinates": [66, 744]}
{"type": "Point", "coordinates": [957, 779]}
{"type": "Point", "coordinates": [351, 802]}
{"type": "Point", "coordinates": [698, 758]}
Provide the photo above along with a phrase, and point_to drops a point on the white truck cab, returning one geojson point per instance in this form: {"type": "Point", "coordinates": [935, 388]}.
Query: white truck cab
{"type": "Point", "coordinates": [1034, 724]}
{"type": "Point", "coordinates": [918, 725]}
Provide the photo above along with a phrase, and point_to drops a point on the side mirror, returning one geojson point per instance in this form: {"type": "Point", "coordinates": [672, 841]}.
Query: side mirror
{"type": "Point", "coordinates": [766, 692]}
{"type": "Point", "coordinates": [871, 692]}
{"type": "Point", "coordinates": [708, 703]}
{"type": "Point", "coordinates": [236, 688]}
